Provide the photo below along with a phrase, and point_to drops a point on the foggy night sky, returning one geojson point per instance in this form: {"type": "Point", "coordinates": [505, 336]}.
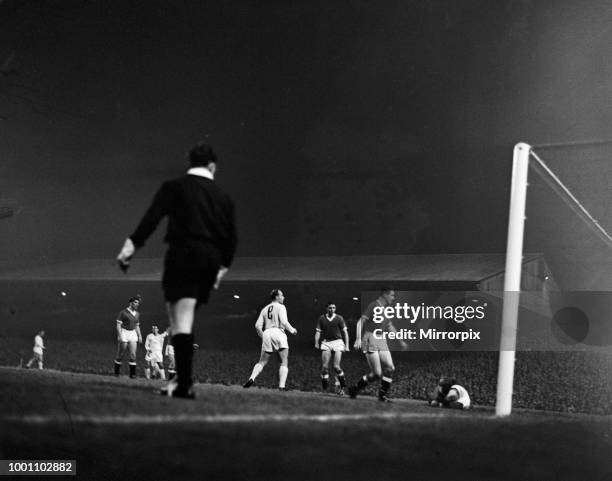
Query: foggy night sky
{"type": "Point", "coordinates": [341, 127]}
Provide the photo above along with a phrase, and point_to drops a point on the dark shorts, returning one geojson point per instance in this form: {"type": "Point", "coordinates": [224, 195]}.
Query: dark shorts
{"type": "Point", "coordinates": [190, 271]}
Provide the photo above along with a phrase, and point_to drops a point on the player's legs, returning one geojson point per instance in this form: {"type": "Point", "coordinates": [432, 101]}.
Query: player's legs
{"type": "Point", "coordinates": [159, 368]}
{"type": "Point", "coordinates": [39, 358]}
{"type": "Point", "coordinates": [30, 362]}
{"type": "Point", "coordinates": [132, 346]}
{"type": "Point", "coordinates": [388, 369]}
{"type": "Point", "coordinates": [264, 357]}
{"type": "Point", "coordinates": [325, 358]}
{"type": "Point", "coordinates": [339, 372]}
{"type": "Point", "coordinates": [375, 373]}
{"type": "Point", "coordinates": [181, 314]}
{"type": "Point", "coordinates": [283, 370]}
{"type": "Point", "coordinates": [121, 348]}
{"type": "Point", "coordinates": [171, 367]}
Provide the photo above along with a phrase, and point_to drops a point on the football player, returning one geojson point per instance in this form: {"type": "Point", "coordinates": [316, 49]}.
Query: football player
{"type": "Point", "coordinates": [128, 335]}
{"type": "Point", "coordinates": [171, 361]}
{"type": "Point", "coordinates": [332, 338]}
{"type": "Point", "coordinates": [154, 344]}
{"type": "Point", "coordinates": [376, 350]}
{"type": "Point", "coordinates": [449, 394]}
{"type": "Point", "coordinates": [271, 326]}
{"type": "Point", "coordinates": [37, 351]}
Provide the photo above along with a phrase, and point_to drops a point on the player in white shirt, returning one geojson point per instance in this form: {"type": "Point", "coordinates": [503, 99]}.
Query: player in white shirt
{"type": "Point", "coordinates": [154, 345]}
{"type": "Point", "coordinates": [171, 361]}
{"type": "Point", "coordinates": [449, 394]}
{"type": "Point", "coordinates": [271, 326]}
{"type": "Point", "coordinates": [37, 355]}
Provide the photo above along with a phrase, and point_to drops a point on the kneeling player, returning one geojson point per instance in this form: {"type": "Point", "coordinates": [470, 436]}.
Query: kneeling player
{"type": "Point", "coordinates": [271, 325]}
{"type": "Point", "coordinates": [449, 394]}
{"type": "Point", "coordinates": [332, 338]}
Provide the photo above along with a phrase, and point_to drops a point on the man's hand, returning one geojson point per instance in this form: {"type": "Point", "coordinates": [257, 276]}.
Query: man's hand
{"type": "Point", "coordinates": [126, 254]}
{"type": "Point", "coordinates": [220, 274]}
{"type": "Point", "coordinates": [357, 344]}
{"type": "Point", "coordinates": [317, 346]}
{"type": "Point", "coordinates": [294, 332]}
{"type": "Point", "coordinates": [140, 340]}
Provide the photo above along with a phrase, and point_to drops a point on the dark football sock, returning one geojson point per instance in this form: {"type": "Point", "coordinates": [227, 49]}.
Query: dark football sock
{"type": "Point", "coordinates": [117, 367]}
{"type": "Point", "coordinates": [363, 382]}
{"type": "Point", "coordinates": [385, 385]}
{"type": "Point", "coordinates": [132, 369]}
{"type": "Point", "coordinates": [342, 380]}
{"type": "Point", "coordinates": [183, 354]}
{"type": "Point", "coordinates": [325, 381]}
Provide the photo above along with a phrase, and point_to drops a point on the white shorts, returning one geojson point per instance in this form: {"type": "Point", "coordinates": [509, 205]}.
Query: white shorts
{"type": "Point", "coordinates": [336, 345]}
{"type": "Point", "coordinates": [274, 339]}
{"type": "Point", "coordinates": [154, 356]}
{"type": "Point", "coordinates": [128, 336]}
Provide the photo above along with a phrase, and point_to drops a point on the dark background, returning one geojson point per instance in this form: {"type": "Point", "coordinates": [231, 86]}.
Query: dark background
{"type": "Point", "coordinates": [342, 127]}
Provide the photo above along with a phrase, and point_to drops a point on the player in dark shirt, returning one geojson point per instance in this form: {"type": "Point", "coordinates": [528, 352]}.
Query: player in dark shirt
{"type": "Point", "coordinates": [376, 350]}
{"type": "Point", "coordinates": [201, 238]}
{"type": "Point", "coordinates": [332, 338]}
{"type": "Point", "coordinates": [128, 335]}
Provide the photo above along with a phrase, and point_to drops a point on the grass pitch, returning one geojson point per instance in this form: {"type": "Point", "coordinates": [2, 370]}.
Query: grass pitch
{"type": "Point", "coordinates": [119, 429]}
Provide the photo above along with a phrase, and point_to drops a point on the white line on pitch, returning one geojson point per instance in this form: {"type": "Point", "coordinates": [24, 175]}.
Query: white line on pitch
{"type": "Point", "coordinates": [213, 418]}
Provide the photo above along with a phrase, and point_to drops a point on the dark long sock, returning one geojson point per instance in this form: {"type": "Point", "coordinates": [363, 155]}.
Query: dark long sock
{"type": "Point", "coordinates": [363, 382]}
{"type": "Point", "coordinates": [385, 385]}
{"type": "Point", "coordinates": [183, 355]}
{"type": "Point", "coordinates": [325, 381]}
{"type": "Point", "coordinates": [117, 367]}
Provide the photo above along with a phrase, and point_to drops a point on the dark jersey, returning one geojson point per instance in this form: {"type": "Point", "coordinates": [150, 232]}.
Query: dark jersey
{"type": "Point", "coordinates": [128, 320]}
{"type": "Point", "coordinates": [198, 211]}
{"type": "Point", "coordinates": [368, 324]}
{"type": "Point", "coordinates": [331, 329]}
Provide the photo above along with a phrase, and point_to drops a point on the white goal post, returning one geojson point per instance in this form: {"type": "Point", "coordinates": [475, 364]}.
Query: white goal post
{"type": "Point", "coordinates": [512, 279]}
{"type": "Point", "coordinates": [514, 255]}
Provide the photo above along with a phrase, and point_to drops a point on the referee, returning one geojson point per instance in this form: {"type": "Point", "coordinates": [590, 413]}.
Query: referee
{"type": "Point", "coordinates": [201, 238]}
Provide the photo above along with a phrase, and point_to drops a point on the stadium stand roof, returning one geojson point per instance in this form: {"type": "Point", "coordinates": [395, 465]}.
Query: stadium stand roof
{"type": "Point", "coordinates": [441, 268]}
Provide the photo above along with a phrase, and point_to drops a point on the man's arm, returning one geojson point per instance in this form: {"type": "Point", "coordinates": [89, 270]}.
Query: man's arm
{"type": "Point", "coordinates": [138, 333]}
{"type": "Point", "coordinates": [148, 343]}
{"type": "Point", "coordinates": [285, 322]}
{"type": "Point", "coordinates": [346, 338]}
{"type": "Point", "coordinates": [402, 342]}
{"type": "Point", "coordinates": [452, 395]}
{"type": "Point", "coordinates": [357, 344]}
{"type": "Point", "coordinates": [259, 326]}
{"type": "Point", "coordinates": [345, 333]}
{"type": "Point", "coordinates": [317, 338]}
{"type": "Point", "coordinates": [119, 324]}
{"type": "Point", "coordinates": [156, 212]}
